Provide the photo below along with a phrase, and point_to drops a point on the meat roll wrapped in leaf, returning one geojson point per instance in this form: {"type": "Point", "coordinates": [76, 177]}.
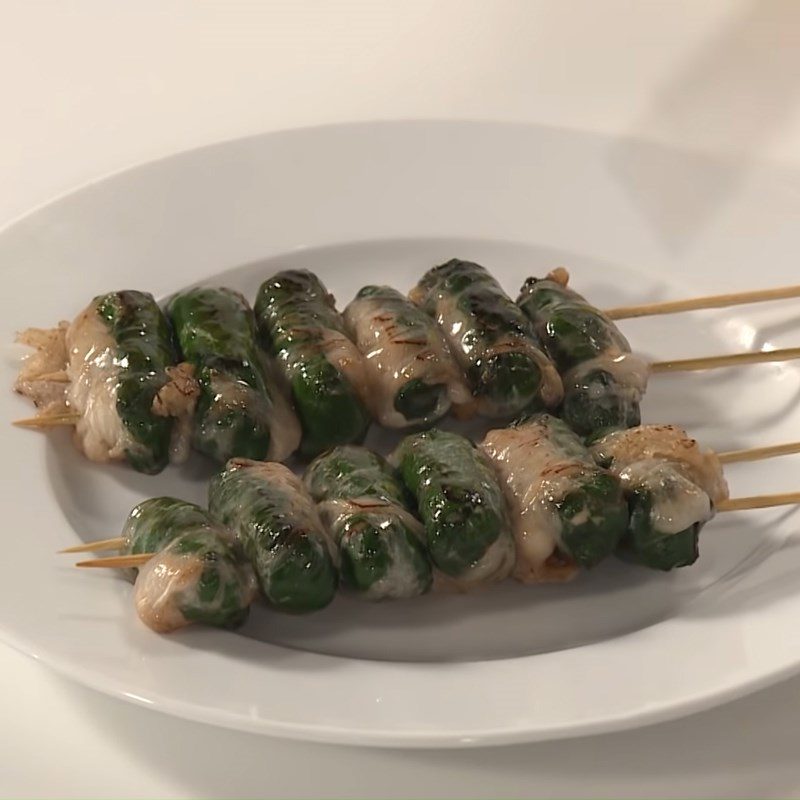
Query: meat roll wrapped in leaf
{"type": "Point", "coordinates": [461, 505]}
{"type": "Point", "coordinates": [603, 381]}
{"type": "Point", "coordinates": [241, 411]}
{"type": "Point", "coordinates": [412, 376]}
{"type": "Point", "coordinates": [195, 576]}
{"type": "Point", "coordinates": [364, 505]}
{"type": "Point", "coordinates": [672, 486]}
{"type": "Point", "coordinates": [113, 373]}
{"type": "Point", "coordinates": [300, 326]}
{"type": "Point", "coordinates": [491, 338]}
{"type": "Point", "coordinates": [279, 529]}
{"type": "Point", "coordinates": [566, 511]}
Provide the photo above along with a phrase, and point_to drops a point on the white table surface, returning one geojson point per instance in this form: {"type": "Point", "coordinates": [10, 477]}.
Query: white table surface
{"type": "Point", "coordinates": [89, 88]}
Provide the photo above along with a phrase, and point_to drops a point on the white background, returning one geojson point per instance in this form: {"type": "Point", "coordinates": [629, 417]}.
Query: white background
{"type": "Point", "coordinates": [88, 88]}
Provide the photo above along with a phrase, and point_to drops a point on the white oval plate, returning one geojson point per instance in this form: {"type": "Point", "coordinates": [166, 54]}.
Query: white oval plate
{"type": "Point", "coordinates": [382, 202]}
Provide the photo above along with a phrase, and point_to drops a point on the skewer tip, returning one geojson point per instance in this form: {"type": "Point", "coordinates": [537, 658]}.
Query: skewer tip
{"type": "Point", "coordinates": [118, 562]}
{"type": "Point", "coordinates": [53, 421]}
{"type": "Point", "coordinates": [96, 546]}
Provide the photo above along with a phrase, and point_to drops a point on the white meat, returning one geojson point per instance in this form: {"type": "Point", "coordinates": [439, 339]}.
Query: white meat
{"type": "Point", "coordinates": [534, 475]}
{"type": "Point", "coordinates": [395, 354]}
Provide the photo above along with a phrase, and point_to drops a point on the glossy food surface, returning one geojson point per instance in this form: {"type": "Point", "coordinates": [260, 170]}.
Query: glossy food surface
{"type": "Point", "coordinates": [603, 381]}
{"type": "Point", "coordinates": [300, 326]}
{"type": "Point", "coordinates": [367, 511]}
{"type": "Point", "coordinates": [491, 337]}
{"type": "Point", "coordinates": [460, 503]}
{"type": "Point", "coordinates": [280, 531]}
{"type": "Point", "coordinates": [412, 376]}
{"type": "Point", "coordinates": [240, 411]}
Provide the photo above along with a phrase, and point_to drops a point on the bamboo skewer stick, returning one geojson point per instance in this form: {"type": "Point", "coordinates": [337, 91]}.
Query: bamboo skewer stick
{"type": "Point", "coordinates": [677, 365]}
{"type": "Point", "coordinates": [726, 457]}
{"type": "Point", "coordinates": [729, 457]}
{"type": "Point", "coordinates": [697, 303]}
{"type": "Point", "coordinates": [759, 453]}
{"type": "Point", "coordinates": [119, 562]}
{"type": "Point", "coordinates": [59, 376]}
{"type": "Point", "coordinates": [734, 360]}
{"type": "Point", "coordinates": [759, 501]}
{"type": "Point", "coordinates": [96, 546]}
{"type": "Point", "coordinates": [734, 504]}
{"type": "Point", "coordinates": [48, 421]}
